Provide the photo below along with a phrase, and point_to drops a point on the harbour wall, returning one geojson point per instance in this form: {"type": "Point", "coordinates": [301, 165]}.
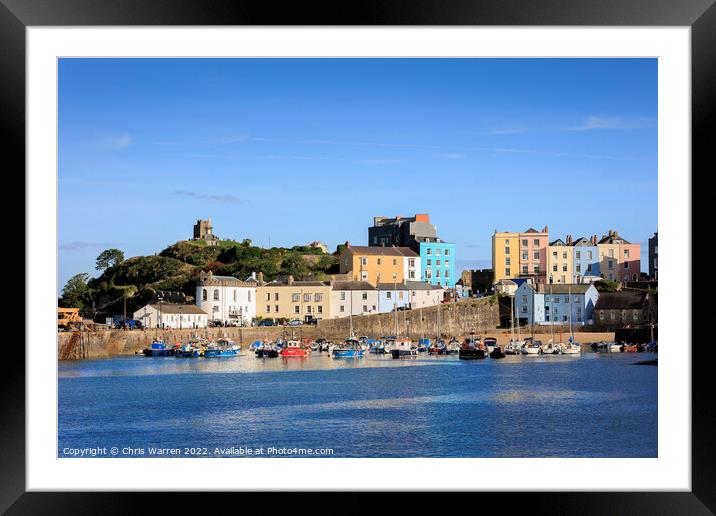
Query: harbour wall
{"type": "Point", "coordinates": [455, 319]}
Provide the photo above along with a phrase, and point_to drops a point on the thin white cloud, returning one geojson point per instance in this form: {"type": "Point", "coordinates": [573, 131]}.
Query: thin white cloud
{"type": "Point", "coordinates": [225, 198]}
{"type": "Point", "coordinates": [378, 161]}
{"type": "Point", "coordinates": [80, 244]}
{"type": "Point", "coordinates": [121, 141]}
{"type": "Point", "coordinates": [597, 122]}
{"type": "Point", "coordinates": [506, 130]}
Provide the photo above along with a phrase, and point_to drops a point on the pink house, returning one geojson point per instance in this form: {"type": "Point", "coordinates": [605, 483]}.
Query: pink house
{"type": "Point", "coordinates": [533, 254]}
{"type": "Point", "coordinates": [629, 261]}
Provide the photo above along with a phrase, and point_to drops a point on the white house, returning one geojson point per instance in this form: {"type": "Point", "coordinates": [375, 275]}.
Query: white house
{"type": "Point", "coordinates": [353, 297]}
{"type": "Point", "coordinates": [227, 299]}
{"type": "Point", "coordinates": [172, 315]}
{"type": "Point", "coordinates": [556, 304]}
{"type": "Point", "coordinates": [411, 268]}
{"type": "Point", "coordinates": [422, 294]}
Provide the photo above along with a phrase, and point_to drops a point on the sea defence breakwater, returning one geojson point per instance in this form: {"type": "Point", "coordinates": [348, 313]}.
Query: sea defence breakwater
{"type": "Point", "coordinates": [454, 319]}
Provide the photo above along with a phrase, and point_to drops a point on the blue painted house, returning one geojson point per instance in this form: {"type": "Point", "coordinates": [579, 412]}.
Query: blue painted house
{"type": "Point", "coordinates": [585, 258]}
{"type": "Point", "coordinates": [437, 261]}
{"type": "Point", "coordinates": [392, 296]}
{"type": "Point", "coordinates": [552, 304]}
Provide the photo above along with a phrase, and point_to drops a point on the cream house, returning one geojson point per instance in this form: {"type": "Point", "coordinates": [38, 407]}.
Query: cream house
{"type": "Point", "coordinates": [353, 298]}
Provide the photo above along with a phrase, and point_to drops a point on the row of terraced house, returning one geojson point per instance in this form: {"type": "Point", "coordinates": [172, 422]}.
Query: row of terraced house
{"type": "Point", "coordinates": [530, 254]}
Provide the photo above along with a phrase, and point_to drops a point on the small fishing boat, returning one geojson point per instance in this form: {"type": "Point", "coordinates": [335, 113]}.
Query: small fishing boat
{"type": "Point", "coordinates": [571, 348]}
{"type": "Point", "coordinates": [497, 353]}
{"type": "Point", "coordinates": [630, 348]}
{"type": "Point", "coordinates": [453, 347]}
{"type": "Point", "coordinates": [490, 343]}
{"type": "Point", "coordinates": [376, 347]}
{"type": "Point", "coordinates": [423, 345]}
{"type": "Point", "coordinates": [158, 348]}
{"type": "Point", "coordinates": [188, 351]}
{"type": "Point", "coordinates": [403, 348]}
{"type": "Point", "coordinates": [438, 348]}
{"type": "Point", "coordinates": [513, 348]}
{"type": "Point", "coordinates": [350, 348]}
{"type": "Point", "coordinates": [266, 350]}
{"type": "Point", "coordinates": [531, 346]}
{"type": "Point", "coordinates": [472, 349]}
{"type": "Point", "coordinates": [551, 348]}
{"type": "Point", "coordinates": [293, 348]}
{"type": "Point", "coordinates": [223, 348]}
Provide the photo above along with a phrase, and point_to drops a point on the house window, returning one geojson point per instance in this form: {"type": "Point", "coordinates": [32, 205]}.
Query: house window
{"type": "Point", "coordinates": [342, 308]}
{"type": "Point", "coordinates": [365, 308]}
{"type": "Point", "coordinates": [447, 274]}
{"type": "Point", "coordinates": [535, 255]}
{"type": "Point", "coordinates": [318, 297]}
{"type": "Point", "coordinates": [388, 295]}
{"type": "Point", "coordinates": [395, 262]}
{"type": "Point", "coordinates": [268, 308]}
{"type": "Point", "coordinates": [626, 265]}
{"type": "Point", "coordinates": [275, 308]}
{"type": "Point", "coordinates": [610, 264]}
{"type": "Point", "coordinates": [589, 255]}
{"type": "Point", "coordinates": [524, 243]}
{"type": "Point", "coordinates": [447, 252]}
{"type": "Point", "coordinates": [365, 296]}
{"type": "Point", "coordinates": [411, 274]}
{"type": "Point", "coordinates": [437, 251]}
{"type": "Point", "coordinates": [216, 294]}
{"type": "Point", "coordinates": [295, 298]}
{"type": "Point", "coordinates": [626, 253]}
{"type": "Point", "coordinates": [249, 292]}
{"type": "Point", "coordinates": [507, 272]}
{"type": "Point", "coordinates": [507, 250]}
{"type": "Point", "coordinates": [268, 296]}
{"type": "Point", "coordinates": [411, 262]}
{"type": "Point", "coordinates": [524, 269]}
{"type": "Point", "coordinates": [554, 254]}
{"type": "Point", "coordinates": [535, 242]}
{"type": "Point", "coordinates": [307, 298]}
{"type": "Point", "coordinates": [437, 262]}
{"type": "Point", "coordinates": [577, 255]}
{"type": "Point", "coordinates": [275, 296]}
{"type": "Point", "coordinates": [364, 275]}
{"type": "Point", "coordinates": [525, 255]}
{"type": "Point", "coordinates": [578, 268]}
{"type": "Point", "coordinates": [601, 315]}
{"type": "Point", "coordinates": [364, 261]}
{"type": "Point", "coordinates": [437, 274]}
{"type": "Point", "coordinates": [429, 262]}
{"type": "Point", "coordinates": [343, 296]}
{"type": "Point", "coordinates": [308, 309]}
{"type": "Point", "coordinates": [296, 309]}
{"type": "Point", "coordinates": [234, 295]}
{"type": "Point", "coordinates": [378, 261]}
{"type": "Point", "coordinates": [429, 251]}
{"type": "Point", "coordinates": [395, 275]}
{"type": "Point", "coordinates": [204, 295]}
{"type": "Point", "coordinates": [612, 314]}
{"type": "Point", "coordinates": [554, 267]}
{"type": "Point", "coordinates": [564, 267]}
{"type": "Point", "coordinates": [536, 269]}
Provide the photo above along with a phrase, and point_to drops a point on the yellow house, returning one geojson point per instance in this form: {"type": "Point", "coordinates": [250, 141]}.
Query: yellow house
{"type": "Point", "coordinates": [291, 299]}
{"type": "Point", "coordinates": [376, 264]}
{"type": "Point", "coordinates": [560, 262]}
{"type": "Point", "coordinates": [505, 255]}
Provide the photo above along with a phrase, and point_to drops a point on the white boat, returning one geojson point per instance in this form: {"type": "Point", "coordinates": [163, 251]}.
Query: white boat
{"type": "Point", "coordinates": [551, 348]}
{"type": "Point", "coordinates": [403, 348]}
{"type": "Point", "coordinates": [614, 347]}
{"type": "Point", "coordinates": [531, 346]}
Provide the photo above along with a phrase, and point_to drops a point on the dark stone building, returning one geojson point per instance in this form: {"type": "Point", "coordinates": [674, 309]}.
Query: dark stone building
{"type": "Point", "coordinates": [625, 308]}
{"type": "Point", "coordinates": [654, 256]}
{"type": "Point", "coordinates": [400, 231]}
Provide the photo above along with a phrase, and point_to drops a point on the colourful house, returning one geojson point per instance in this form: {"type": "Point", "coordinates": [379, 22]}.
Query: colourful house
{"type": "Point", "coordinates": [560, 268]}
{"type": "Point", "coordinates": [505, 255]}
{"type": "Point", "coordinates": [585, 258]}
{"type": "Point", "coordinates": [379, 264]}
{"type": "Point", "coordinates": [556, 304]}
{"type": "Point", "coordinates": [437, 261]}
{"type": "Point", "coordinates": [619, 259]}
{"type": "Point", "coordinates": [533, 254]}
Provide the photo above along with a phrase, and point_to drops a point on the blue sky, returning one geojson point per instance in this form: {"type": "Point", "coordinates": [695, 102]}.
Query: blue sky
{"type": "Point", "coordinates": [297, 150]}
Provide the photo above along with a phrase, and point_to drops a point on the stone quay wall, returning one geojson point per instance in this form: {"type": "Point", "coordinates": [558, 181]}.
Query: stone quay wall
{"type": "Point", "coordinates": [455, 319]}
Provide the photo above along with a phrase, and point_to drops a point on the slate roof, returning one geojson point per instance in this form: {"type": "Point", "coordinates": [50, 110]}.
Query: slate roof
{"type": "Point", "coordinates": [352, 285]}
{"type": "Point", "coordinates": [563, 288]}
{"type": "Point", "coordinates": [622, 300]}
{"type": "Point", "coordinates": [382, 251]}
{"type": "Point", "coordinates": [173, 308]}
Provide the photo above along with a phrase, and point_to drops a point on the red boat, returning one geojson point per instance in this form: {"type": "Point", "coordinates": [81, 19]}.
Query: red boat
{"type": "Point", "coordinates": [293, 348]}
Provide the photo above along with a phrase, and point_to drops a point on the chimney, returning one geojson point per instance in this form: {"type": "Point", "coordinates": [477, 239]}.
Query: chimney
{"type": "Point", "coordinates": [545, 230]}
{"type": "Point", "coordinates": [290, 280]}
{"type": "Point", "coordinates": [260, 277]}
{"type": "Point", "coordinates": [348, 243]}
{"type": "Point", "coordinates": [594, 240]}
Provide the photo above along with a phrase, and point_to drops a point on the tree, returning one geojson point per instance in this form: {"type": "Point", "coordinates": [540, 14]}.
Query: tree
{"type": "Point", "coordinates": [109, 258]}
{"type": "Point", "coordinates": [604, 285]}
{"type": "Point", "coordinates": [75, 293]}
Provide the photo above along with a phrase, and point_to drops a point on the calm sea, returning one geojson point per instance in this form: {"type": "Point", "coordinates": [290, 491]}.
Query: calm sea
{"type": "Point", "coordinates": [594, 405]}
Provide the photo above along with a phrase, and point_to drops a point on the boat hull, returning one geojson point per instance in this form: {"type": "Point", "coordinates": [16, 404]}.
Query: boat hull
{"type": "Point", "coordinates": [293, 352]}
{"type": "Point", "coordinates": [403, 353]}
{"type": "Point", "coordinates": [472, 354]}
{"type": "Point", "coordinates": [158, 352]}
{"type": "Point", "coordinates": [266, 353]}
{"type": "Point", "coordinates": [215, 353]}
{"type": "Point", "coordinates": [347, 353]}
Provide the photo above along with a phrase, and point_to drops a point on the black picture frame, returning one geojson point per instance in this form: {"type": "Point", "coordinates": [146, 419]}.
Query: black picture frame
{"type": "Point", "coordinates": [700, 15]}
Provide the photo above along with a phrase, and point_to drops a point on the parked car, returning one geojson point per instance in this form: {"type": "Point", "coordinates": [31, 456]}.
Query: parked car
{"type": "Point", "coordinates": [295, 322]}
{"type": "Point", "coordinates": [266, 322]}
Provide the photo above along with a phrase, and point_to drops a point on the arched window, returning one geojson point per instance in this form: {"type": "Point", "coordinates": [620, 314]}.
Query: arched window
{"type": "Point", "coordinates": [204, 295]}
{"type": "Point", "coordinates": [216, 294]}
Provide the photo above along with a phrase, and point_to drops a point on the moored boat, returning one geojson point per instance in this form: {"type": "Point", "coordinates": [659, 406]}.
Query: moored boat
{"type": "Point", "coordinates": [222, 348]}
{"type": "Point", "coordinates": [350, 348]}
{"type": "Point", "coordinates": [293, 348]}
{"type": "Point", "coordinates": [531, 346]}
{"type": "Point", "coordinates": [490, 343]}
{"type": "Point", "coordinates": [158, 348]}
{"type": "Point", "coordinates": [403, 348]}
{"type": "Point", "coordinates": [473, 348]}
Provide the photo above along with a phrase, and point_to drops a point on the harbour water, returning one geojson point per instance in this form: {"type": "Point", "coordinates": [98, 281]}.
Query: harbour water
{"type": "Point", "coordinates": [593, 405]}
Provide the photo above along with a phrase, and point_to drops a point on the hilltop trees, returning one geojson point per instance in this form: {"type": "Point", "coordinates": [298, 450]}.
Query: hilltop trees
{"type": "Point", "coordinates": [75, 293]}
{"type": "Point", "coordinates": [109, 258]}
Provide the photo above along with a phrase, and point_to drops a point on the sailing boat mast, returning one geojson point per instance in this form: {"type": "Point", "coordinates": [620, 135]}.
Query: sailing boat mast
{"type": "Point", "coordinates": [551, 314]}
{"type": "Point", "coordinates": [571, 327]}
{"type": "Point", "coordinates": [512, 318]}
{"type": "Point", "coordinates": [395, 307]}
{"type": "Point", "coordinates": [350, 314]}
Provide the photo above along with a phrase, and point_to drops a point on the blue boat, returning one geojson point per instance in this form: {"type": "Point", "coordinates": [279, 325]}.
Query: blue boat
{"type": "Point", "coordinates": [376, 347]}
{"type": "Point", "coordinates": [187, 351]}
{"type": "Point", "coordinates": [351, 348]}
{"type": "Point", "coordinates": [423, 345]}
{"type": "Point", "coordinates": [158, 349]}
{"type": "Point", "coordinates": [224, 348]}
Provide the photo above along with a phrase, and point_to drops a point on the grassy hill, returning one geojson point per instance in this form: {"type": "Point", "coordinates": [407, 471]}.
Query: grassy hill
{"type": "Point", "coordinates": [177, 268]}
